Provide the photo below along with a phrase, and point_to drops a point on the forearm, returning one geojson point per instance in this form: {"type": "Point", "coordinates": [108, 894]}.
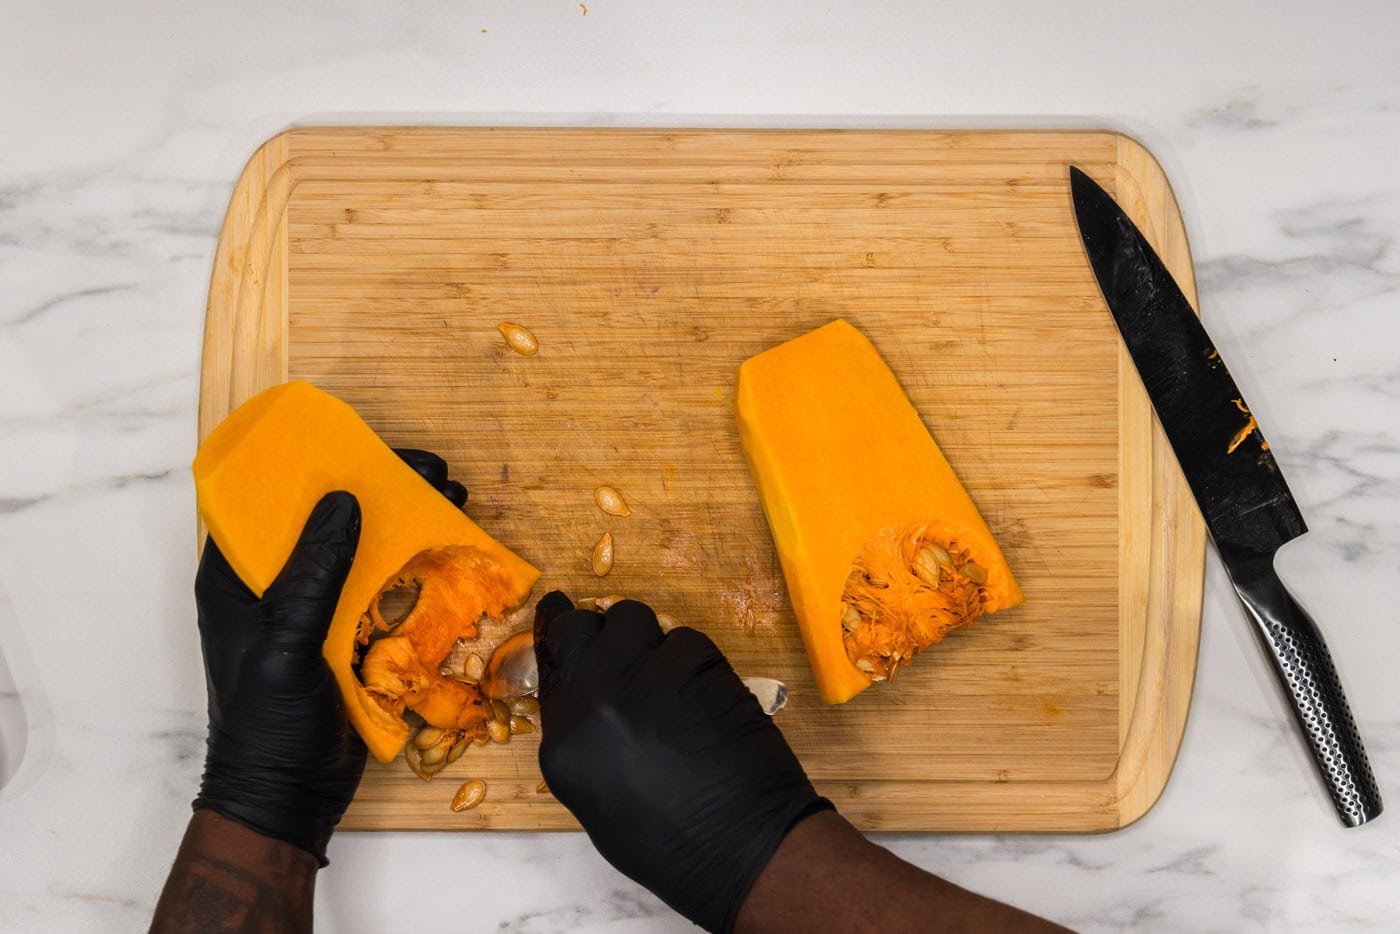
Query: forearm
{"type": "Point", "coordinates": [229, 878]}
{"type": "Point", "coordinates": [826, 876]}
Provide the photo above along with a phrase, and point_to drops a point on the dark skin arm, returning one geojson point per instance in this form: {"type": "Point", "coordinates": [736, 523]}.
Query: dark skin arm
{"type": "Point", "coordinates": [229, 878]}
{"type": "Point", "coordinates": [825, 876]}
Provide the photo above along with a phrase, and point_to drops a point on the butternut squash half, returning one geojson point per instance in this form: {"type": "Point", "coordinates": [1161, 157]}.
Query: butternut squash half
{"type": "Point", "coordinates": [883, 550]}
{"type": "Point", "coordinates": [257, 477]}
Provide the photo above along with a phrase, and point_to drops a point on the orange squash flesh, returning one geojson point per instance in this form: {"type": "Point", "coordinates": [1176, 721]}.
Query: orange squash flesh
{"type": "Point", "coordinates": [257, 477]}
{"type": "Point", "coordinates": [853, 487]}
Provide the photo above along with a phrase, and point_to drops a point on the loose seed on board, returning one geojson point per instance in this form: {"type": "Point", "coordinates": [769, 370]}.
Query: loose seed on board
{"type": "Point", "coordinates": [469, 795]}
{"type": "Point", "coordinates": [457, 749]}
{"type": "Point", "coordinates": [666, 622]}
{"type": "Point", "coordinates": [521, 725]}
{"type": "Point", "coordinates": [974, 572]}
{"type": "Point", "coordinates": [850, 618]}
{"type": "Point", "coordinates": [606, 603]}
{"type": "Point", "coordinates": [519, 339]}
{"type": "Point", "coordinates": [611, 501]}
{"type": "Point", "coordinates": [500, 711]}
{"type": "Point", "coordinates": [481, 739]}
{"type": "Point", "coordinates": [603, 555]}
{"type": "Point", "coordinates": [434, 756]}
{"type": "Point", "coordinates": [473, 668]}
{"type": "Point", "coordinates": [524, 706]}
{"type": "Point", "coordinates": [499, 731]}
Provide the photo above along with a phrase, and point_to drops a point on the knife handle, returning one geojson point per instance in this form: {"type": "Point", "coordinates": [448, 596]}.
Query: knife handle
{"type": "Point", "coordinates": [1305, 670]}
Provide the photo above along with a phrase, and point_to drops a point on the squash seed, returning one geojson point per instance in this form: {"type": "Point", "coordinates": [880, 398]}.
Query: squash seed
{"type": "Point", "coordinates": [524, 706]}
{"type": "Point", "coordinates": [499, 731]}
{"type": "Point", "coordinates": [974, 572]}
{"type": "Point", "coordinates": [603, 555]}
{"type": "Point", "coordinates": [481, 739]}
{"type": "Point", "coordinates": [865, 664]}
{"type": "Point", "coordinates": [411, 756]}
{"type": "Point", "coordinates": [433, 756]}
{"type": "Point", "coordinates": [469, 795]}
{"type": "Point", "coordinates": [542, 788]}
{"type": "Point", "coordinates": [606, 603]}
{"type": "Point", "coordinates": [518, 339]}
{"type": "Point", "coordinates": [499, 710]}
{"type": "Point", "coordinates": [457, 749]}
{"type": "Point", "coordinates": [940, 555]}
{"type": "Point", "coordinates": [473, 668]}
{"type": "Point", "coordinates": [521, 725]}
{"type": "Point", "coordinates": [428, 736]}
{"type": "Point", "coordinates": [666, 622]}
{"type": "Point", "coordinates": [611, 501]}
{"type": "Point", "coordinates": [850, 618]}
{"type": "Point", "coordinates": [926, 567]}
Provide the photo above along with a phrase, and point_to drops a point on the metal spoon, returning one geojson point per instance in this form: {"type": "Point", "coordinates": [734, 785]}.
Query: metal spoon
{"type": "Point", "coordinates": [511, 672]}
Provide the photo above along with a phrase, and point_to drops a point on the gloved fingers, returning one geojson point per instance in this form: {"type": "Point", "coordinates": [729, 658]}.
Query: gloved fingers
{"type": "Point", "coordinates": [456, 493]}
{"type": "Point", "coordinates": [552, 604]}
{"type": "Point", "coordinates": [688, 660]}
{"type": "Point", "coordinates": [684, 648]}
{"type": "Point", "coordinates": [433, 468]}
{"type": "Point", "coordinates": [426, 464]}
{"type": "Point", "coordinates": [561, 635]}
{"type": "Point", "coordinates": [301, 601]}
{"type": "Point", "coordinates": [630, 630]}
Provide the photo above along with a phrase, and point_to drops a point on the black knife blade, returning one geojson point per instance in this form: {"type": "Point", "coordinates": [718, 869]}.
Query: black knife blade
{"type": "Point", "coordinates": [1246, 503]}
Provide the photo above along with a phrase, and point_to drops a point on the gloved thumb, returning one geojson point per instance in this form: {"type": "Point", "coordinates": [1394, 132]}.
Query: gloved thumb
{"type": "Point", "coordinates": [301, 601]}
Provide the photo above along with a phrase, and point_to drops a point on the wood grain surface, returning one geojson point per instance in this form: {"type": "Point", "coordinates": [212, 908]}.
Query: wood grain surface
{"type": "Point", "coordinates": [377, 263]}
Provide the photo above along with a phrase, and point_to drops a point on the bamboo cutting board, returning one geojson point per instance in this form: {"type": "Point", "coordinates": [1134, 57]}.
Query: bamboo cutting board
{"type": "Point", "coordinates": [377, 262]}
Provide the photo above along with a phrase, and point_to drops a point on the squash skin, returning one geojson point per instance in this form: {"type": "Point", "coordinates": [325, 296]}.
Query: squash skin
{"type": "Point", "coordinates": [840, 456]}
{"type": "Point", "coordinates": [257, 477]}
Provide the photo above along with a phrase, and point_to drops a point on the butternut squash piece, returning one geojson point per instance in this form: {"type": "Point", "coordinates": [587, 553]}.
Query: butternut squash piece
{"type": "Point", "coordinates": [882, 549]}
{"type": "Point", "coordinates": [258, 475]}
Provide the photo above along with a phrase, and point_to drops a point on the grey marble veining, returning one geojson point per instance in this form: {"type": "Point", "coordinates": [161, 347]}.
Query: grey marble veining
{"type": "Point", "coordinates": [125, 126]}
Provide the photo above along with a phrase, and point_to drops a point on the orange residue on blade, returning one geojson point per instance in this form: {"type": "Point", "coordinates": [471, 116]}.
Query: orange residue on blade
{"type": "Point", "coordinates": [1243, 433]}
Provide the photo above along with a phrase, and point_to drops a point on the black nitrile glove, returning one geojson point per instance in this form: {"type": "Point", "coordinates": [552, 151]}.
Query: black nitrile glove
{"type": "Point", "coordinates": [434, 469]}
{"type": "Point", "coordinates": [663, 755]}
{"type": "Point", "coordinates": [282, 758]}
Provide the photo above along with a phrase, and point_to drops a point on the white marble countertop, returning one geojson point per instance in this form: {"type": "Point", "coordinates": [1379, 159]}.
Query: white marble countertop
{"type": "Point", "coordinates": [125, 125]}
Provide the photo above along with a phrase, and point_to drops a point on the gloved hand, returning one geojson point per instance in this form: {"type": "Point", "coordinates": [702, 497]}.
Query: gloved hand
{"type": "Point", "coordinates": [282, 758]}
{"type": "Point", "coordinates": [663, 755]}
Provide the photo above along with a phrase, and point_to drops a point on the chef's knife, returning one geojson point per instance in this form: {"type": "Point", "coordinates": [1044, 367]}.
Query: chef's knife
{"type": "Point", "coordinates": [1246, 503]}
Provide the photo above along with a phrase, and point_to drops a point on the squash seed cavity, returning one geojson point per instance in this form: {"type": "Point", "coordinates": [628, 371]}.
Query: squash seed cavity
{"type": "Point", "coordinates": [905, 592]}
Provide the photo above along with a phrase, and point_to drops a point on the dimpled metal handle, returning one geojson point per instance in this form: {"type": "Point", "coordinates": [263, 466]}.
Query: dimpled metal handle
{"type": "Point", "coordinates": [1304, 668]}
